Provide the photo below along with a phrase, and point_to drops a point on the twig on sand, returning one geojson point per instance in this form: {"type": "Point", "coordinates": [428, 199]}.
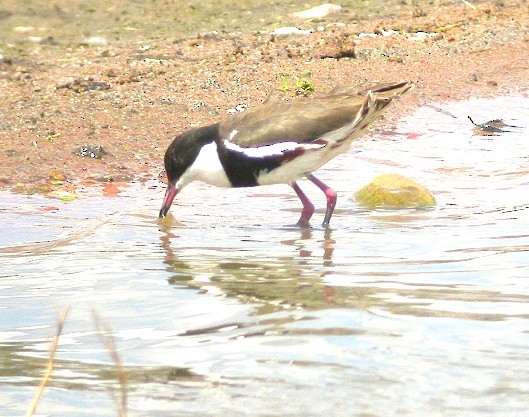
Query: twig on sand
{"type": "Point", "coordinates": [53, 349]}
{"type": "Point", "coordinates": [468, 4]}
{"type": "Point", "coordinates": [104, 332]}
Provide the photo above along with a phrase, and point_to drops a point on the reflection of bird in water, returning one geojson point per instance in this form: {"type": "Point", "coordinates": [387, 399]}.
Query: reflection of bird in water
{"type": "Point", "coordinates": [277, 143]}
{"type": "Point", "coordinates": [286, 275]}
{"type": "Point", "coordinates": [305, 253]}
{"type": "Point", "coordinates": [328, 249]}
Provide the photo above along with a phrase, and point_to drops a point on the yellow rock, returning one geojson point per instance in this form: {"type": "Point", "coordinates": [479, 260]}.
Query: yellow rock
{"type": "Point", "coordinates": [56, 177]}
{"type": "Point", "coordinates": [64, 195]}
{"type": "Point", "coordinates": [394, 191]}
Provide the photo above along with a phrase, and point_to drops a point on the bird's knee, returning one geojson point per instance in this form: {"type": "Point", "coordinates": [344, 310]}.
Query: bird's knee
{"type": "Point", "coordinates": [331, 195]}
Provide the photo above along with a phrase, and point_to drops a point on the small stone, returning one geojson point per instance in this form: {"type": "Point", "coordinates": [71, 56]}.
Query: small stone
{"type": "Point", "coordinates": [90, 151]}
{"type": "Point", "coordinates": [56, 177]}
{"type": "Point", "coordinates": [474, 76]}
{"type": "Point", "coordinates": [112, 72]}
{"type": "Point", "coordinates": [65, 82]}
{"type": "Point", "coordinates": [210, 36]}
{"type": "Point", "coordinates": [80, 85]}
{"type": "Point", "coordinates": [289, 30]}
{"type": "Point", "coordinates": [385, 33]}
{"type": "Point", "coordinates": [393, 191]}
{"type": "Point", "coordinates": [421, 36]}
{"type": "Point", "coordinates": [23, 29]}
{"type": "Point", "coordinates": [95, 41]}
{"type": "Point", "coordinates": [318, 12]}
{"type": "Point", "coordinates": [239, 108]}
{"type": "Point", "coordinates": [335, 46]}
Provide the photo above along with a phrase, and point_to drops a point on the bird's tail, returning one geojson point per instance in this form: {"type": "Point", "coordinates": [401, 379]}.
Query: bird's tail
{"type": "Point", "coordinates": [377, 99]}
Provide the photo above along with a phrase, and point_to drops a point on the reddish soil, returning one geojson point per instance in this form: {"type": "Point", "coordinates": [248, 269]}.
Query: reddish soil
{"type": "Point", "coordinates": [133, 101]}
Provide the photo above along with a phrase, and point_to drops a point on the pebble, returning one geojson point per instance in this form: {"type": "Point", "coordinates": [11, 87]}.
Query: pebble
{"type": "Point", "coordinates": [237, 109]}
{"type": "Point", "coordinates": [380, 32]}
{"type": "Point", "coordinates": [421, 36]}
{"type": "Point", "coordinates": [95, 41]}
{"type": "Point", "coordinates": [81, 85]}
{"type": "Point", "coordinates": [90, 151]}
{"type": "Point", "coordinates": [289, 30]}
{"type": "Point", "coordinates": [318, 12]}
{"type": "Point", "coordinates": [23, 29]}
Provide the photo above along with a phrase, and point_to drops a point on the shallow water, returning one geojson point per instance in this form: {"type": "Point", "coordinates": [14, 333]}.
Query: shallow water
{"type": "Point", "coordinates": [408, 312]}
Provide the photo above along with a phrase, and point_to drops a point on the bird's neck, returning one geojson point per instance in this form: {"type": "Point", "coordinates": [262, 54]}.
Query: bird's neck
{"type": "Point", "coordinates": [207, 134]}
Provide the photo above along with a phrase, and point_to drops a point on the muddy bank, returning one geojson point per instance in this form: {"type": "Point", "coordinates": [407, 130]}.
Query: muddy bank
{"type": "Point", "coordinates": [130, 100]}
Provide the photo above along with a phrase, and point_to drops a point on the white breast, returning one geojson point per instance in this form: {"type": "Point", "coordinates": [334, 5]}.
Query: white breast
{"type": "Point", "coordinates": [206, 168]}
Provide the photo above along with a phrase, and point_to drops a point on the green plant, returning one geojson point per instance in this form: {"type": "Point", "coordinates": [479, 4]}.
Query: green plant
{"type": "Point", "coordinates": [301, 85]}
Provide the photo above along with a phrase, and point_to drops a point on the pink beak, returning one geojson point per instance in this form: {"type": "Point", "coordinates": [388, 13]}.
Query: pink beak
{"type": "Point", "coordinates": [170, 194]}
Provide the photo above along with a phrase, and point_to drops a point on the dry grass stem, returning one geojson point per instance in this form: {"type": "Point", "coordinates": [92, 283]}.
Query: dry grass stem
{"type": "Point", "coordinates": [53, 349]}
{"type": "Point", "coordinates": [104, 332]}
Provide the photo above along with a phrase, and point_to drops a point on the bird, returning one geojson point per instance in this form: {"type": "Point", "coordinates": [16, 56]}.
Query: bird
{"type": "Point", "coordinates": [277, 143]}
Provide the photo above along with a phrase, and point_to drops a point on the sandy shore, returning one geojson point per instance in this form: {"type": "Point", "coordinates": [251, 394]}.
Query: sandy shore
{"type": "Point", "coordinates": [132, 101]}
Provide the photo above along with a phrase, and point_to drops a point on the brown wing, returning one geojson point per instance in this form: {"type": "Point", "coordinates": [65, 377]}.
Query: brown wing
{"type": "Point", "coordinates": [301, 120]}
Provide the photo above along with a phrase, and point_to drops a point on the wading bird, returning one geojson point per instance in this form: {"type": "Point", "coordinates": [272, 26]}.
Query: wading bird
{"type": "Point", "coordinates": [276, 143]}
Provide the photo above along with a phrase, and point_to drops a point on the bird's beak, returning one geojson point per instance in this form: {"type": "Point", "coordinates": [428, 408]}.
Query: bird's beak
{"type": "Point", "coordinates": [170, 194]}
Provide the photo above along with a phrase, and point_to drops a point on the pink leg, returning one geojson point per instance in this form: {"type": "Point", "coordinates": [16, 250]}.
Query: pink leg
{"type": "Point", "coordinates": [308, 207]}
{"type": "Point", "coordinates": [331, 196]}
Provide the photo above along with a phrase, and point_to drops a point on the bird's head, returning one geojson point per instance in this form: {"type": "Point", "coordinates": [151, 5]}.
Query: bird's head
{"type": "Point", "coordinates": [180, 157]}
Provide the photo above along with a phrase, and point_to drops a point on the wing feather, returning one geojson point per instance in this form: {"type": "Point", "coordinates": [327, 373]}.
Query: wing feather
{"type": "Point", "coordinates": [306, 121]}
